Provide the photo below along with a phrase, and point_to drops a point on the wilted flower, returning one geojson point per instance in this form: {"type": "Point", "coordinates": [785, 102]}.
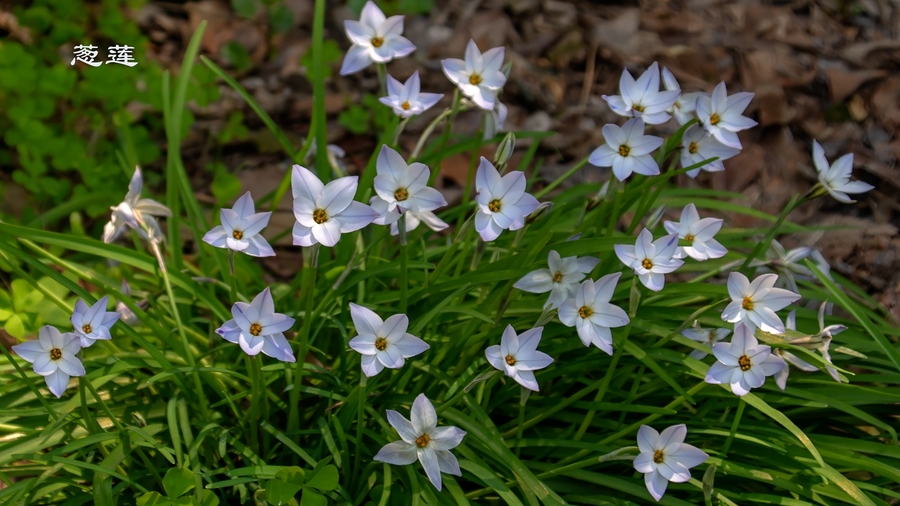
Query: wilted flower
{"type": "Point", "coordinates": [92, 323]}
{"type": "Point", "coordinates": [627, 150]}
{"type": "Point", "coordinates": [591, 313]}
{"type": "Point", "coordinates": [722, 116]}
{"type": "Point", "coordinates": [53, 356]}
{"type": "Point", "coordinates": [495, 119]}
{"type": "Point", "coordinates": [125, 313]}
{"type": "Point", "coordinates": [665, 457]}
{"type": "Point", "coordinates": [642, 98]}
{"type": "Point", "coordinates": [502, 201]}
{"type": "Point", "coordinates": [479, 76]}
{"type": "Point", "coordinates": [517, 356]}
{"type": "Point", "coordinates": [708, 337]}
{"type": "Point", "coordinates": [754, 304]}
{"type": "Point", "coordinates": [836, 177]}
{"type": "Point", "coordinates": [136, 213]}
{"type": "Point", "coordinates": [240, 229]}
{"type": "Point", "coordinates": [562, 278]}
{"type": "Point", "coordinates": [375, 39]}
{"type": "Point", "coordinates": [405, 98]}
{"type": "Point", "coordinates": [383, 343]}
{"type": "Point", "coordinates": [743, 363]}
{"type": "Point", "coordinates": [697, 232]}
{"type": "Point", "coordinates": [685, 104]}
{"type": "Point", "coordinates": [422, 439]}
{"type": "Point", "coordinates": [256, 327]}
{"type": "Point", "coordinates": [401, 187]}
{"type": "Point", "coordinates": [697, 146]}
{"type": "Point", "coordinates": [324, 212]}
{"type": "Point", "coordinates": [651, 260]}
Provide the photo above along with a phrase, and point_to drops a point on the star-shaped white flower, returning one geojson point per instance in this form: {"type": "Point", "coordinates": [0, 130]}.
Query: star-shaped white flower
{"type": "Point", "coordinates": [562, 278]}
{"type": "Point", "coordinates": [324, 212]}
{"type": "Point", "coordinates": [743, 363]}
{"type": "Point", "coordinates": [591, 313]}
{"type": "Point", "coordinates": [651, 260]}
{"type": "Point", "coordinates": [697, 145]}
{"type": "Point", "coordinates": [53, 356]}
{"type": "Point", "coordinates": [256, 327]}
{"type": "Point", "coordinates": [406, 99]}
{"type": "Point", "coordinates": [754, 304]}
{"type": "Point", "coordinates": [401, 188]}
{"type": "Point", "coordinates": [722, 116]}
{"type": "Point", "coordinates": [479, 75]}
{"type": "Point", "coordinates": [502, 201]}
{"type": "Point", "coordinates": [686, 103]}
{"type": "Point", "coordinates": [788, 264]}
{"type": "Point", "coordinates": [642, 98]}
{"type": "Point", "coordinates": [517, 356]}
{"type": "Point", "coordinates": [665, 457]}
{"type": "Point", "coordinates": [781, 376]}
{"type": "Point", "coordinates": [835, 178]}
{"type": "Point", "coordinates": [697, 232]}
{"type": "Point", "coordinates": [708, 337]}
{"type": "Point", "coordinates": [627, 150]}
{"type": "Point", "coordinates": [422, 439]}
{"type": "Point", "coordinates": [383, 343]}
{"type": "Point", "coordinates": [240, 229]}
{"type": "Point", "coordinates": [92, 323]}
{"type": "Point", "coordinates": [135, 213]}
{"type": "Point", "coordinates": [375, 39]}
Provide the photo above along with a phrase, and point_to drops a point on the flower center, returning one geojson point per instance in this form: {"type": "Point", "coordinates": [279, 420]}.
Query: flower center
{"type": "Point", "coordinates": [55, 354]}
{"type": "Point", "coordinates": [714, 119]}
{"type": "Point", "coordinates": [255, 329]}
{"type": "Point", "coordinates": [659, 456]}
{"type": "Point", "coordinates": [557, 277]}
{"type": "Point", "coordinates": [320, 216]}
{"type": "Point", "coordinates": [744, 362]}
{"type": "Point", "coordinates": [401, 194]}
{"type": "Point", "coordinates": [646, 263]}
{"type": "Point", "coordinates": [422, 441]}
{"type": "Point", "coordinates": [238, 235]}
{"type": "Point", "coordinates": [405, 106]}
{"type": "Point", "coordinates": [86, 328]}
{"type": "Point", "coordinates": [377, 41]}
{"type": "Point", "coordinates": [510, 360]}
{"type": "Point", "coordinates": [624, 150]}
{"type": "Point", "coordinates": [692, 148]}
{"type": "Point", "coordinates": [638, 108]}
{"type": "Point", "coordinates": [494, 206]}
{"type": "Point", "coordinates": [380, 344]}
{"type": "Point", "coordinates": [475, 79]}
{"type": "Point", "coordinates": [747, 304]}
{"type": "Point", "coordinates": [585, 311]}
{"type": "Point", "coordinates": [689, 238]}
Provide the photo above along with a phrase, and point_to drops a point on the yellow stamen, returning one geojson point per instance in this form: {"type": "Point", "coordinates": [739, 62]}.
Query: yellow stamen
{"type": "Point", "coordinates": [692, 148]}
{"type": "Point", "coordinates": [747, 304]}
{"type": "Point", "coordinates": [401, 194]}
{"type": "Point", "coordinates": [744, 362]}
{"type": "Point", "coordinates": [237, 234]}
{"type": "Point", "coordinates": [422, 441]}
{"type": "Point", "coordinates": [475, 79]}
{"type": "Point", "coordinates": [714, 119]}
{"type": "Point", "coordinates": [86, 328]}
{"type": "Point", "coordinates": [55, 354]}
{"type": "Point", "coordinates": [638, 108]}
{"type": "Point", "coordinates": [380, 344]}
{"type": "Point", "coordinates": [377, 41]}
{"type": "Point", "coordinates": [689, 238]}
{"type": "Point", "coordinates": [658, 456]}
{"type": "Point", "coordinates": [320, 216]}
{"type": "Point", "coordinates": [624, 150]}
{"type": "Point", "coordinates": [585, 312]}
{"type": "Point", "coordinates": [647, 264]}
{"type": "Point", "coordinates": [405, 106]}
{"type": "Point", "coordinates": [255, 329]}
{"type": "Point", "coordinates": [510, 360]}
{"type": "Point", "coordinates": [557, 277]}
{"type": "Point", "coordinates": [494, 206]}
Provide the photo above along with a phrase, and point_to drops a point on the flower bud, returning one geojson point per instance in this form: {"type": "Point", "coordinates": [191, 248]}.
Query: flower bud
{"type": "Point", "coordinates": [505, 149]}
{"type": "Point", "coordinates": [541, 210]}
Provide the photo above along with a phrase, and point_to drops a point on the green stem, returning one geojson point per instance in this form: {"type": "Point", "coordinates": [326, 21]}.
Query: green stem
{"type": "Point", "coordinates": [255, 393]}
{"type": "Point", "coordinates": [398, 131]}
{"type": "Point", "coordinates": [404, 263]}
{"type": "Point", "coordinates": [734, 426]}
{"type": "Point", "coordinates": [310, 261]}
{"type": "Point", "coordinates": [37, 393]}
{"type": "Point", "coordinates": [234, 292]}
{"type": "Point", "coordinates": [430, 129]}
{"type": "Point", "coordinates": [382, 78]}
{"type": "Point", "coordinates": [547, 189]}
{"type": "Point", "coordinates": [448, 256]}
{"type": "Point", "coordinates": [763, 245]}
{"type": "Point", "coordinates": [360, 421]}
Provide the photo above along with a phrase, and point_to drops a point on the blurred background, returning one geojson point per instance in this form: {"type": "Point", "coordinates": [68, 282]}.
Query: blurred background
{"type": "Point", "coordinates": [821, 69]}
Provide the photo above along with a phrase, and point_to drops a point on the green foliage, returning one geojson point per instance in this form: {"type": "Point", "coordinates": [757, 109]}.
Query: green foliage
{"type": "Point", "coordinates": [177, 483]}
{"type": "Point", "coordinates": [331, 54]}
{"type": "Point", "coordinates": [289, 481]}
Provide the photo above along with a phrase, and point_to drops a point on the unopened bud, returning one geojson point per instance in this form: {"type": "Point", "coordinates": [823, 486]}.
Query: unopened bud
{"type": "Point", "coordinates": [541, 210]}
{"type": "Point", "coordinates": [507, 68]}
{"type": "Point", "coordinates": [654, 217]}
{"type": "Point", "coordinates": [505, 149]}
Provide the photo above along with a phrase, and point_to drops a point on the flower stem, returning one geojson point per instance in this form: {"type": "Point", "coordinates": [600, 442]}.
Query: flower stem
{"type": "Point", "coordinates": [547, 189]}
{"type": "Point", "coordinates": [255, 392]}
{"type": "Point", "coordinates": [360, 421]}
{"type": "Point", "coordinates": [398, 131]}
{"type": "Point", "coordinates": [234, 292]}
{"type": "Point", "coordinates": [763, 245]}
{"type": "Point", "coordinates": [404, 263]}
{"type": "Point", "coordinates": [451, 251]}
{"type": "Point", "coordinates": [310, 262]}
{"type": "Point", "coordinates": [382, 78]}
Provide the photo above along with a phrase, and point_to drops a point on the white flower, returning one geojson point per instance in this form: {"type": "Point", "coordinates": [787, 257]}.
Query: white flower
{"type": "Point", "coordinates": [782, 376]}
{"type": "Point", "coordinates": [414, 218]}
{"type": "Point", "coordinates": [240, 229]}
{"type": "Point", "coordinates": [665, 457]}
{"type": "Point", "coordinates": [825, 333]}
{"type": "Point", "coordinates": [708, 337]}
{"type": "Point", "coordinates": [836, 177]}
{"type": "Point", "coordinates": [642, 98]}
{"type": "Point", "coordinates": [722, 116]}
{"type": "Point", "coordinates": [685, 104]}
{"type": "Point", "coordinates": [697, 145]}
{"type": "Point", "coordinates": [422, 439]}
{"type": "Point", "coordinates": [787, 264]}
{"type": "Point", "coordinates": [405, 99]}
{"type": "Point", "coordinates": [53, 356]}
{"type": "Point", "coordinates": [697, 232]}
{"type": "Point", "coordinates": [92, 323]}
{"type": "Point", "coordinates": [479, 76]}
{"type": "Point", "coordinates": [591, 313]}
{"type": "Point", "coordinates": [517, 356]}
{"type": "Point", "coordinates": [743, 363]}
{"type": "Point", "coordinates": [495, 119]}
{"type": "Point", "coordinates": [651, 260]}
{"type": "Point", "coordinates": [256, 327]}
{"type": "Point", "coordinates": [324, 212]}
{"type": "Point", "coordinates": [502, 201]}
{"type": "Point", "coordinates": [627, 150]}
{"type": "Point", "coordinates": [562, 278]}
{"type": "Point", "coordinates": [401, 187]}
{"type": "Point", "coordinates": [125, 313]}
{"type": "Point", "coordinates": [754, 304]}
{"type": "Point", "coordinates": [383, 343]}
{"type": "Point", "coordinates": [136, 213]}
{"type": "Point", "coordinates": [375, 39]}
